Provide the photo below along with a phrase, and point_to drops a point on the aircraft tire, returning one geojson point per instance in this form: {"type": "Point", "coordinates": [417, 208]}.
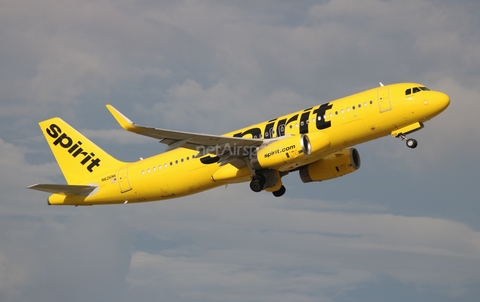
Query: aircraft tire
{"type": "Point", "coordinates": [258, 183]}
{"type": "Point", "coordinates": [280, 191]}
{"type": "Point", "coordinates": [412, 143]}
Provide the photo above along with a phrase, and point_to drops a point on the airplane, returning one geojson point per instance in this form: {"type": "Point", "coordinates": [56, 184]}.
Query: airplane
{"type": "Point", "coordinates": [317, 142]}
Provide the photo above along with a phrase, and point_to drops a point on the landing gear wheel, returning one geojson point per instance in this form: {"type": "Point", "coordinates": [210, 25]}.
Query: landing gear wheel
{"type": "Point", "coordinates": [258, 183]}
{"type": "Point", "coordinates": [411, 143]}
{"type": "Point", "coordinates": [280, 191]}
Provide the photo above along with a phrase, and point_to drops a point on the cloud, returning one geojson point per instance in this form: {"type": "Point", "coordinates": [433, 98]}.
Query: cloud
{"type": "Point", "coordinates": [409, 221]}
{"type": "Point", "coordinates": [256, 245]}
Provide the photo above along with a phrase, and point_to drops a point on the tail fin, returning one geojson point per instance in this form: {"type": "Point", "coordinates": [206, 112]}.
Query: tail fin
{"type": "Point", "coordinates": [78, 158]}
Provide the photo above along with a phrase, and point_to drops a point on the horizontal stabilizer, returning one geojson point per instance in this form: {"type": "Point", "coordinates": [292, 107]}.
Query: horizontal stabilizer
{"type": "Point", "coordinates": [64, 189]}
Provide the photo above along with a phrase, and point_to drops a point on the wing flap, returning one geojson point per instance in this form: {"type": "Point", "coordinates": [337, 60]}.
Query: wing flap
{"type": "Point", "coordinates": [64, 189]}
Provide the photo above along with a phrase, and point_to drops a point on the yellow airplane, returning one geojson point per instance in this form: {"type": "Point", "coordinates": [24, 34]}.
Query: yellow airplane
{"type": "Point", "coordinates": [317, 142]}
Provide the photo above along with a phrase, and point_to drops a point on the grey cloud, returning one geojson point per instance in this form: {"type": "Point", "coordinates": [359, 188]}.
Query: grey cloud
{"type": "Point", "coordinates": [405, 225]}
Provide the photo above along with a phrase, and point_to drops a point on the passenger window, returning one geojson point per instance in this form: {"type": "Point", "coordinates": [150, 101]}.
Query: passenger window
{"type": "Point", "coordinates": [371, 102]}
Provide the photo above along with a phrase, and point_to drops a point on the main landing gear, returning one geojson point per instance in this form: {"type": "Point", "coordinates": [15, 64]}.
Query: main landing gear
{"type": "Point", "coordinates": [410, 142]}
{"type": "Point", "coordinates": [280, 191]}
{"type": "Point", "coordinates": [258, 184]}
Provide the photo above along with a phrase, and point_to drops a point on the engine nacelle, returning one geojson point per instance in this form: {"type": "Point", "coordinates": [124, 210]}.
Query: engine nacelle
{"type": "Point", "coordinates": [334, 165]}
{"type": "Point", "coordinates": [286, 150]}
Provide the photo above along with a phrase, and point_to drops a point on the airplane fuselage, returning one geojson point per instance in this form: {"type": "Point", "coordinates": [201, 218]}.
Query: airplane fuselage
{"type": "Point", "coordinates": [355, 119]}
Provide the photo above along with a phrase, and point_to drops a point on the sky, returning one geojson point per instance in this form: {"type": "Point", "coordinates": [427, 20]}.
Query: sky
{"type": "Point", "coordinates": [404, 227]}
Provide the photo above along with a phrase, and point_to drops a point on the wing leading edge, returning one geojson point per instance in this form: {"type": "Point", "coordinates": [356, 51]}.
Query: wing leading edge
{"type": "Point", "coordinates": [203, 143]}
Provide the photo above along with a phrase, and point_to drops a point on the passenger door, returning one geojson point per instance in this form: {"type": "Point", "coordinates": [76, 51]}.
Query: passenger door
{"type": "Point", "coordinates": [383, 96]}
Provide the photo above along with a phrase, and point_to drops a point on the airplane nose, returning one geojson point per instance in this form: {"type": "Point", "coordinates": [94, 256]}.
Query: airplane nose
{"type": "Point", "coordinates": [442, 100]}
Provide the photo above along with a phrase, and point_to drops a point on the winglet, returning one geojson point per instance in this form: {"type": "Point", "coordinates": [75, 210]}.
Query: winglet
{"type": "Point", "coordinates": [126, 123]}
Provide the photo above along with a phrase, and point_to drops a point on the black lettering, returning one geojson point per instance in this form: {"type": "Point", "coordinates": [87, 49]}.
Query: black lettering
{"type": "Point", "coordinates": [54, 131]}
{"type": "Point", "coordinates": [255, 132]}
{"type": "Point", "coordinates": [79, 151]}
{"type": "Point", "coordinates": [95, 162]}
{"type": "Point", "coordinates": [66, 142]}
{"type": "Point", "coordinates": [304, 122]}
{"type": "Point", "coordinates": [74, 147]}
{"type": "Point", "coordinates": [292, 119]}
{"type": "Point", "coordinates": [60, 140]}
{"type": "Point", "coordinates": [269, 129]}
{"type": "Point", "coordinates": [281, 127]}
{"type": "Point", "coordinates": [207, 160]}
{"type": "Point", "coordinates": [87, 158]}
{"type": "Point", "coordinates": [320, 118]}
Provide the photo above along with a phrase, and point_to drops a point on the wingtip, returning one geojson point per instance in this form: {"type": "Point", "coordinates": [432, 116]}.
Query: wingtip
{"type": "Point", "coordinates": [124, 121]}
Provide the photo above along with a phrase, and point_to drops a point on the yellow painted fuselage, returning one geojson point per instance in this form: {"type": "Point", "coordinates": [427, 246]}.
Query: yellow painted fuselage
{"type": "Point", "coordinates": [355, 119]}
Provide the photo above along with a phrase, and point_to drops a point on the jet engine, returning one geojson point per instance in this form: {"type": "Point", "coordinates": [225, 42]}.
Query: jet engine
{"type": "Point", "coordinates": [334, 165]}
{"type": "Point", "coordinates": [285, 150]}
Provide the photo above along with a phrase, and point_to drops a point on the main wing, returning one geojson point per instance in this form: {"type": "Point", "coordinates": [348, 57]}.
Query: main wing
{"type": "Point", "coordinates": [203, 143]}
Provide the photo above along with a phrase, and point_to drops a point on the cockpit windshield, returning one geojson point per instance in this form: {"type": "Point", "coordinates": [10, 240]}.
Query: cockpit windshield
{"type": "Point", "coordinates": [415, 90]}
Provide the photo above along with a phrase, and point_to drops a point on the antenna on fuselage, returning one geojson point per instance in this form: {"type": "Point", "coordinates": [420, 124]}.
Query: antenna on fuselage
{"type": "Point", "coordinates": [381, 84]}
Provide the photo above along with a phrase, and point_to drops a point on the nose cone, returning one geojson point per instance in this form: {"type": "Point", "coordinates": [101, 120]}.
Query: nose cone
{"type": "Point", "coordinates": [442, 101]}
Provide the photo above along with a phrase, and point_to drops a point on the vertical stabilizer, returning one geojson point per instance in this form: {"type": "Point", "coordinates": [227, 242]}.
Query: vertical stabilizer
{"type": "Point", "coordinates": [79, 159]}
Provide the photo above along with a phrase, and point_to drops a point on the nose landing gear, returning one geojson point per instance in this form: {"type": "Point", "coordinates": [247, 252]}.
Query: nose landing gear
{"type": "Point", "coordinates": [410, 142]}
{"type": "Point", "coordinates": [400, 133]}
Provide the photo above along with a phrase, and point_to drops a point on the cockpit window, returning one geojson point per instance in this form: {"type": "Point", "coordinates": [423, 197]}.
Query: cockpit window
{"type": "Point", "coordinates": [415, 90]}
